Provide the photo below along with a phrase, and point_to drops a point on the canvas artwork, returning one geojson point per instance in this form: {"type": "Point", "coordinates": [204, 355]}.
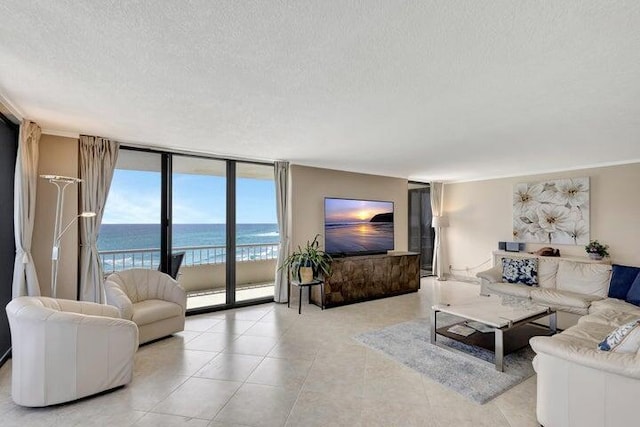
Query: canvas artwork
{"type": "Point", "coordinates": [552, 212]}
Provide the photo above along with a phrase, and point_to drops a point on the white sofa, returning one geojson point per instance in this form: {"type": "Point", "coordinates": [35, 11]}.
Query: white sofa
{"type": "Point", "coordinates": [581, 386]}
{"type": "Point", "coordinates": [64, 350]}
{"type": "Point", "coordinates": [569, 285]}
{"type": "Point", "coordinates": [151, 299]}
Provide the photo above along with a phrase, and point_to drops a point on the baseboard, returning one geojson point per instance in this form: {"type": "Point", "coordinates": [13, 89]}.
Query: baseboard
{"type": "Point", "coordinates": [5, 357]}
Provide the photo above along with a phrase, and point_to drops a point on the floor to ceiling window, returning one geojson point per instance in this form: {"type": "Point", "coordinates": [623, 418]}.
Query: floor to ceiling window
{"type": "Point", "coordinates": [199, 228]}
{"type": "Point", "coordinates": [8, 152]}
{"type": "Point", "coordinates": [130, 233]}
{"type": "Point", "coordinates": [256, 231]}
{"type": "Point", "coordinates": [219, 237]}
{"type": "Point", "coordinates": [421, 234]}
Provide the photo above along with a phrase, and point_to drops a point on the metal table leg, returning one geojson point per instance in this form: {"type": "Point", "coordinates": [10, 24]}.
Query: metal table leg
{"type": "Point", "coordinates": [553, 322]}
{"type": "Point", "coordinates": [322, 295]}
{"type": "Point", "coordinates": [499, 350]}
{"type": "Point", "coordinates": [300, 300]}
{"type": "Point", "coordinates": [434, 316]}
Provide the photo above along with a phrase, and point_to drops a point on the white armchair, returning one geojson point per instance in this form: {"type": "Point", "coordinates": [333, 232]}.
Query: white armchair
{"type": "Point", "coordinates": [64, 350]}
{"type": "Point", "coordinates": [151, 299]}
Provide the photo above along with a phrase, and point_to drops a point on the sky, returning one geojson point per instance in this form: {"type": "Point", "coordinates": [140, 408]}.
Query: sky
{"type": "Point", "coordinates": [134, 198]}
{"type": "Point", "coordinates": [343, 210]}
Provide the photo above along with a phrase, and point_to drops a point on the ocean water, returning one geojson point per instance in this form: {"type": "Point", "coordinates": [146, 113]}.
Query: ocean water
{"type": "Point", "coordinates": [147, 236]}
{"type": "Point", "coordinates": [131, 237]}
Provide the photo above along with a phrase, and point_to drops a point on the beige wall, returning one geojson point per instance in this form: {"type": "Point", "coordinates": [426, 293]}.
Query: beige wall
{"type": "Point", "coordinates": [58, 156]}
{"type": "Point", "coordinates": [309, 187]}
{"type": "Point", "coordinates": [481, 215]}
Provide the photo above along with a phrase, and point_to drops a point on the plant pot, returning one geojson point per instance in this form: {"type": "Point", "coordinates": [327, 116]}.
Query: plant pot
{"type": "Point", "coordinates": [306, 274]}
{"type": "Point", "coordinates": [595, 256]}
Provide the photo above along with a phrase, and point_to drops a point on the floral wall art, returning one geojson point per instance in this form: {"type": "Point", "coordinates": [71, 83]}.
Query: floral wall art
{"type": "Point", "coordinates": [552, 212]}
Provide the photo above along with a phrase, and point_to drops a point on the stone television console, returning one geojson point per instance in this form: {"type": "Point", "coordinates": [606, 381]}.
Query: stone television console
{"type": "Point", "coordinates": [363, 278]}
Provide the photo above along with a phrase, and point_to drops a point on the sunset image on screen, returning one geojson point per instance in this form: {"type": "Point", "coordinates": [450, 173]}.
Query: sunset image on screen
{"type": "Point", "coordinates": [358, 226]}
{"type": "Point", "coordinates": [345, 210]}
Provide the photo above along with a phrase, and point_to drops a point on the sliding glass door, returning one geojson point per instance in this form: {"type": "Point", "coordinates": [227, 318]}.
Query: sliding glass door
{"type": "Point", "coordinates": [210, 223]}
{"type": "Point", "coordinates": [199, 229]}
{"type": "Point", "coordinates": [421, 234]}
{"type": "Point", "coordinates": [256, 231]}
{"type": "Point", "coordinates": [130, 233]}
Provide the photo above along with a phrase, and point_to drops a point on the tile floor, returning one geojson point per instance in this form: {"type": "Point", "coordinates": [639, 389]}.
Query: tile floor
{"type": "Point", "coordinates": [269, 366]}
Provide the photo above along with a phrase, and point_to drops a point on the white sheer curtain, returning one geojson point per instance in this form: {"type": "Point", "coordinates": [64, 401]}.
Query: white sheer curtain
{"type": "Point", "coordinates": [97, 161]}
{"type": "Point", "coordinates": [25, 279]}
{"type": "Point", "coordinates": [436, 210]}
{"type": "Point", "coordinates": [281, 170]}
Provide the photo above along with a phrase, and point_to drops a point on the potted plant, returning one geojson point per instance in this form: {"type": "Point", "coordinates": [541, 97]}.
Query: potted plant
{"type": "Point", "coordinates": [306, 263]}
{"type": "Point", "coordinates": [597, 250]}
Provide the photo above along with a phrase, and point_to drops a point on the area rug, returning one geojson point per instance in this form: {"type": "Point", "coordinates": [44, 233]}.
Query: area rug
{"type": "Point", "coordinates": [408, 343]}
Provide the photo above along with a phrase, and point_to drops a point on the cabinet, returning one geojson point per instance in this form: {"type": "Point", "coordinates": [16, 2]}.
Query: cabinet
{"type": "Point", "coordinates": [363, 278]}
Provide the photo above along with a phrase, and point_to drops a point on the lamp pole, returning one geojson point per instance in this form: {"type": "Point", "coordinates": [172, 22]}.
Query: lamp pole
{"type": "Point", "coordinates": [61, 183]}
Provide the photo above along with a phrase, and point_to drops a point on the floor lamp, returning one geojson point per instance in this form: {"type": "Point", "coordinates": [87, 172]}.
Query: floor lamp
{"type": "Point", "coordinates": [439, 222]}
{"type": "Point", "coordinates": [61, 182]}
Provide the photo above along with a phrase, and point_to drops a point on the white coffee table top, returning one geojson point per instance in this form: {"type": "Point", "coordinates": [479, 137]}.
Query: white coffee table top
{"type": "Point", "coordinates": [492, 311]}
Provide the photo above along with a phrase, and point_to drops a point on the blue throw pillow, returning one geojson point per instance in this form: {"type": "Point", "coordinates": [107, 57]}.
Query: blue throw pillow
{"type": "Point", "coordinates": [622, 277]}
{"type": "Point", "coordinates": [523, 271]}
{"type": "Point", "coordinates": [633, 296]}
{"type": "Point", "coordinates": [625, 339]}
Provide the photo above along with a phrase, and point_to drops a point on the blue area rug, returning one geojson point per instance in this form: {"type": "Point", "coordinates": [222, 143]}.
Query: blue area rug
{"type": "Point", "coordinates": [408, 343]}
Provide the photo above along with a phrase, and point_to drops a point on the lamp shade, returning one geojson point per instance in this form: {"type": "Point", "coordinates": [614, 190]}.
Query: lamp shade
{"type": "Point", "coordinates": [440, 221]}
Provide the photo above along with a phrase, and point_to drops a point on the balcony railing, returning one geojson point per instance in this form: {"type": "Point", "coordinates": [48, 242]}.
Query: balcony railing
{"type": "Point", "coordinates": [117, 260]}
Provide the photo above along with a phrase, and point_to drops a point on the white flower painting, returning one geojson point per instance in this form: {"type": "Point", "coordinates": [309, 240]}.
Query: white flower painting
{"type": "Point", "coordinates": [552, 212]}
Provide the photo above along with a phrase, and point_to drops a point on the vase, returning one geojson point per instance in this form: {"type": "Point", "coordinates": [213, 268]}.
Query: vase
{"type": "Point", "coordinates": [595, 256]}
{"type": "Point", "coordinates": [306, 274]}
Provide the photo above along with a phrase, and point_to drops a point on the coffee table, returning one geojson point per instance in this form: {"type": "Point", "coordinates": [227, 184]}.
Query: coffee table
{"type": "Point", "coordinates": [510, 320]}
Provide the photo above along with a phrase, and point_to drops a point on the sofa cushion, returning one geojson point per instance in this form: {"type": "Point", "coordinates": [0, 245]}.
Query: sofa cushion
{"type": "Point", "coordinates": [622, 276]}
{"type": "Point", "coordinates": [625, 339]}
{"type": "Point", "coordinates": [583, 278]}
{"type": "Point", "coordinates": [610, 318]}
{"type": "Point", "coordinates": [153, 310]}
{"type": "Point", "coordinates": [547, 270]}
{"type": "Point", "coordinates": [523, 271]}
{"type": "Point", "coordinates": [609, 305]}
{"type": "Point", "coordinates": [594, 333]}
{"type": "Point", "coordinates": [633, 296]}
{"type": "Point", "coordinates": [510, 289]}
{"type": "Point", "coordinates": [571, 302]}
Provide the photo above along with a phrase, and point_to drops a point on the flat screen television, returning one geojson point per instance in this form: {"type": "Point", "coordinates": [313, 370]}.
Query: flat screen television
{"type": "Point", "coordinates": [357, 227]}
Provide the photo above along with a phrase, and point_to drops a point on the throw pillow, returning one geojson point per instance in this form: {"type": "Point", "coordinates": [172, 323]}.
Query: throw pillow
{"type": "Point", "coordinates": [633, 296]}
{"type": "Point", "coordinates": [625, 339]}
{"type": "Point", "coordinates": [622, 277]}
{"type": "Point", "coordinates": [523, 271]}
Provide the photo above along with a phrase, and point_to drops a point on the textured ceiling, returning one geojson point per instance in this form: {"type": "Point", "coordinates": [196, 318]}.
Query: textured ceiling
{"type": "Point", "coordinates": [446, 89]}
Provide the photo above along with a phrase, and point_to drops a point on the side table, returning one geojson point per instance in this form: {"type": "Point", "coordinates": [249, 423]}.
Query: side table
{"type": "Point", "coordinates": [307, 285]}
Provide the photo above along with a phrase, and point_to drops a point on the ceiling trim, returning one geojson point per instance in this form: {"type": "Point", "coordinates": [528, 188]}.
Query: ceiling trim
{"type": "Point", "coordinates": [12, 107]}
{"type": "Point", "coordinates": [177, 150]}
{"type": "Point", "coordinates": [547, 171]}
{"type": "Point", "coordinates": [62, 133]}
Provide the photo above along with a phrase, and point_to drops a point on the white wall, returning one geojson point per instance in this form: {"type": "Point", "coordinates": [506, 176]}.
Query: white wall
{"type": "Point", "coordinates": [481, 215]}
{"type": "Point", "coordinates": [58, 156]}
{"type": "Point", "coordinates": [309, 187]}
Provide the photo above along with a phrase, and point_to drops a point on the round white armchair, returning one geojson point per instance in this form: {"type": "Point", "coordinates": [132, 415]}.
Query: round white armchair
{"type": "Point", "coordinates": [151, 299]}
{"type": "Point", "coordinates": [64, 350]}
